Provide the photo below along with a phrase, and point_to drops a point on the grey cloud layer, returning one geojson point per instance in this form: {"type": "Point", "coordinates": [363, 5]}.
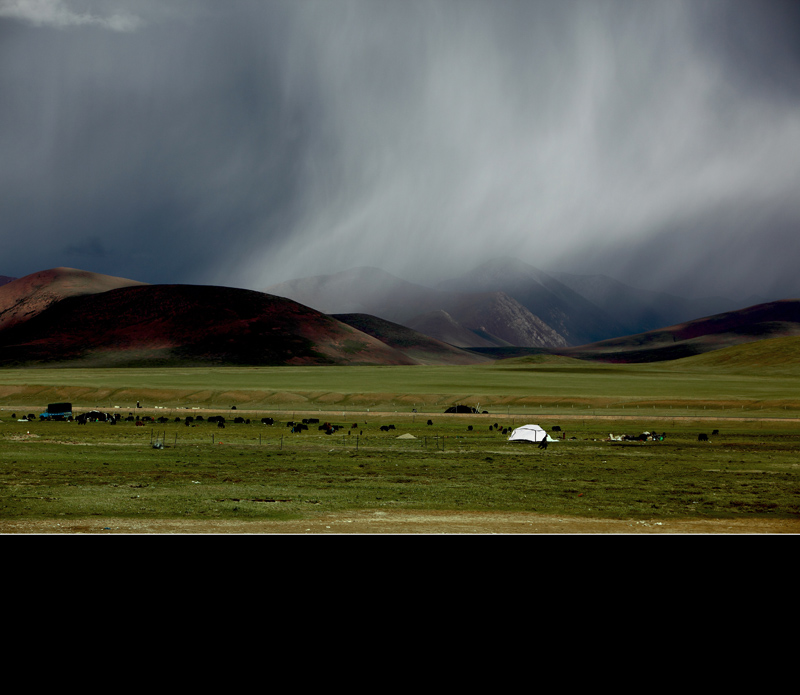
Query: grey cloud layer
{"type": "Point", "coordinates": [249, 142]}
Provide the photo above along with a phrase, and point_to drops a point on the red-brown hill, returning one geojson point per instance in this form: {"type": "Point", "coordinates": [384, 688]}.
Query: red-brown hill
{"type": "Point", "coordinates": [758, 322]}
{"type": "Point", "coordinates": [187, 325]}
{"type": "Point", "coordinates": [23, 298]}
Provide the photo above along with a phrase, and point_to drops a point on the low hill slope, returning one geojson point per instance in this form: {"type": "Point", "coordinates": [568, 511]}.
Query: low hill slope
{"type": "Point", "coordinates": [26, 297]}
{"type": "Point", "coordinates": [771, 356]}
{"type": "Point", "coordinates": [755, 323]}
{"type": "Point", "coordinates": [420, 347]}
{"type": "Point", "coordinates": [187, 325]}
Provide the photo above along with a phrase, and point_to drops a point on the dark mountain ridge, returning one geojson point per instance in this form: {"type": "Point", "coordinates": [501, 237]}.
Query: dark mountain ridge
{"type": "Point", "coordinates": [71, 318]}
{"type": "Point", "coordinates": [187, 325]}
{"type": "Point", "coordinates": [421, 347]}
{"type": "Point", "coordinates": [760, 322]}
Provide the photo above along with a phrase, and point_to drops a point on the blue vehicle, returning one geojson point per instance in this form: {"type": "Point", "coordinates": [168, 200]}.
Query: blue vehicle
{"type": "Point", "coordinates": [57, 411]}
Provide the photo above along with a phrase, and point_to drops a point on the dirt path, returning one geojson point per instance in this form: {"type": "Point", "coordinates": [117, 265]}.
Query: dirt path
{"type": "Point", "coordinates": [405, 523]}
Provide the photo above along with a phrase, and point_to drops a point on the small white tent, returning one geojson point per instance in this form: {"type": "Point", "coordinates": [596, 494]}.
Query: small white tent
{"type": "Point", "coordinates": [529, 433]}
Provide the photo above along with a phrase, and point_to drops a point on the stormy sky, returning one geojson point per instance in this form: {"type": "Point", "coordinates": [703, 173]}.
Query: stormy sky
{"type": "Point", "coordinates": [248, 142]}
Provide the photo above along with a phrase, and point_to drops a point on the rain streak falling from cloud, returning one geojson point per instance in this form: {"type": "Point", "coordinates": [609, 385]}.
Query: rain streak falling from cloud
{"type": "Point", "coordinates": [245, 142]}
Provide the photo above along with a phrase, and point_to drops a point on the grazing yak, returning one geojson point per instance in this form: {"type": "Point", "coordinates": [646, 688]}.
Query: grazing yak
{"type": "Point", "coordinates": [94, 416]}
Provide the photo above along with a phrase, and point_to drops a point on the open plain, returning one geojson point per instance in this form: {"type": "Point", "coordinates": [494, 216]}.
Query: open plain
{"type": "Point", "coordinates": [393, 462]}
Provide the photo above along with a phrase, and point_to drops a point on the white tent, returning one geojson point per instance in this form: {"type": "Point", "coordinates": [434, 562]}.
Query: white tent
{"type": "Point", "coordinates": [529, 433]}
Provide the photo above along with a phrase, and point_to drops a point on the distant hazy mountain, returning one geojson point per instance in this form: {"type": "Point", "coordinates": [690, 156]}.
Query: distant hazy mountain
{"type": "Point", "coordinates": [499, 319]}
{"type": "Point", "coordinates": [642, 310]}
{"type": "Point", "coordinates": [461, 318]}
{"type": "Point", "coordinates": [503, 302]}
{"type": "Point", "coordinates": [361, 290]}
{"type": "Point", "coordinates": [5, 279]}
{"type": "Point", "coordinates": [440, 324]}
{"type": "Point", "coordinates": [564, 310]}
{"type": "Point", "coordinates": [421, 347]}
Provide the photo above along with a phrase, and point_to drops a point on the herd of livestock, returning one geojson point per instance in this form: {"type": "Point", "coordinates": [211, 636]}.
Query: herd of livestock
{"type": "Point", "coordinates": [63, 411]}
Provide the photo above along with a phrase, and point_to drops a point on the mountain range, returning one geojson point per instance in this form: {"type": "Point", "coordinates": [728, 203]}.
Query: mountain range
{"type": "Point", "coordinates": [503, 302]}
{"type": "Point", "coordinates": [503, 308]}
{"type": "Point", "coordinates": [463, 319]}
{"type": "Point", "coordinates": [65, 316]}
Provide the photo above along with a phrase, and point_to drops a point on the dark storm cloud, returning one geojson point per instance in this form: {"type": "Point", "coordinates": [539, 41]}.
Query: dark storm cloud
{"type": "Point", "coordinates": [89, 248]}
{"type": "Point", "coordinates": [559, 132]}
{"type": "Point", "coordinates": [248, 142]}
{"type": "Point", "coordinates": [169, 143]}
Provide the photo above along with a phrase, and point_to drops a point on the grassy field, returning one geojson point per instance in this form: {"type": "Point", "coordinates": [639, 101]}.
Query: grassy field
{"type": "Point", "coordinates": [257, 471]}
{"type": "Point", "coordinates": [513, 386]}
{"type": "Point", "coordinates": [750, 469]}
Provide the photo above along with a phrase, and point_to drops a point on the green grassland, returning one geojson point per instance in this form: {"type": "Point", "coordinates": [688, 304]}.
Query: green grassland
{"type": "Point", "coordinates": [249, 470]}
{"type": "Point", "coordinates": [252, 471]}
{"type": "Point", "coordinates": [693, 384]}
